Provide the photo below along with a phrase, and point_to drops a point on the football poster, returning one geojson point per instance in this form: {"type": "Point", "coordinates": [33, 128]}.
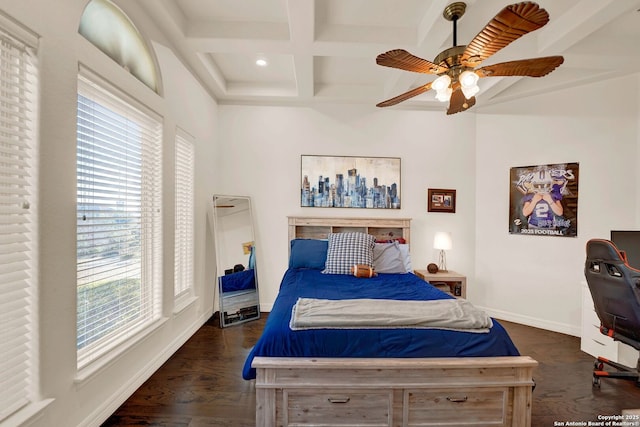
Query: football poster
{"type": "Point", "coordinates": [543, 200]}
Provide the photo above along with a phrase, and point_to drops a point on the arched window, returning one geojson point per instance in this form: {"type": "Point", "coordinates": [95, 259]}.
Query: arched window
{"type": "Point", "coordinates": [119, 194]}
{"type": "Point", "coordinates": [108, 28]}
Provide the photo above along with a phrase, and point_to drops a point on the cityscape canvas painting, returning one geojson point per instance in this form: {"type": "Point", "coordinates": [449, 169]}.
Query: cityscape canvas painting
{"type": "Point", "coordinates": [350, 182]}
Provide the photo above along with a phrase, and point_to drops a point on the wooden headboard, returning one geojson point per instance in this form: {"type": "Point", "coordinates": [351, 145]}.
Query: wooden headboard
{"type": "Point", "coordinates": [306, 227]}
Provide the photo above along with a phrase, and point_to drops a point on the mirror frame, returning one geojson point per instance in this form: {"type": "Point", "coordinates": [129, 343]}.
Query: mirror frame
{"type": "Point", "coordinates": [238, 306]}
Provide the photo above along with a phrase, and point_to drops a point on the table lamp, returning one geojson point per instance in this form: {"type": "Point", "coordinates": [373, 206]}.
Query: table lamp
{"type": "Point", "coordinates": [442, 242]}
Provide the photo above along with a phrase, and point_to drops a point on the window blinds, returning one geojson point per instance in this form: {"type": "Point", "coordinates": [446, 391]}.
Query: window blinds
{"type": "Point", "coordinates": [18, 97]}
{"type": "Point", "coordinates": [119, 221]}
{"type": "Point", "coordinates": [185, 161]}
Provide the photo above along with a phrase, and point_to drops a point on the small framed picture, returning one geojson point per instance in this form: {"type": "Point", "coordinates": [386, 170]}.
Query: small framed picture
{"type": "Point", "coordinates": [439, 200]}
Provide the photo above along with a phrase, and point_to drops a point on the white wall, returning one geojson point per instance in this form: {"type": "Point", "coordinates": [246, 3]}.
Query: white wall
{"type": "Point", "coordinates": [637, 175]}
{"type": "Point", "coordinates": [535, 280]}
{"type": "Point", "coordinates": [184, 104]}
{"type": "Point", "coordinates": [260, 157]}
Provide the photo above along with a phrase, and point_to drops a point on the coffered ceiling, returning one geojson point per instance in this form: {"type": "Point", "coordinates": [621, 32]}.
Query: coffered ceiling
{"type": "Point", "coordinates": [320, 51]}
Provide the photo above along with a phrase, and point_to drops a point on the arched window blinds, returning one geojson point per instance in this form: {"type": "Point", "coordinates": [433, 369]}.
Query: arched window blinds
{"type": "Point", "coordinates": [108, 28]}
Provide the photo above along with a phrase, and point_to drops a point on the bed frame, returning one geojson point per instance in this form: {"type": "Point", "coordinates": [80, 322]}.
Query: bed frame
{"type": "Point", "coordinates": [483, 391]}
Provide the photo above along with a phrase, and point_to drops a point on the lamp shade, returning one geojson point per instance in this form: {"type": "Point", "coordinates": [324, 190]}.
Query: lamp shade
{"type": "Point", "coordinates": [442, 241]}
{"type": "Point", "coordinates": [468, 81]}
{"type": "Point", "coordinates": [441, 83]}
{"type": "Point", "coordinates": [444, 95]}
{"type": "Point", "coordinates": [442, 87]}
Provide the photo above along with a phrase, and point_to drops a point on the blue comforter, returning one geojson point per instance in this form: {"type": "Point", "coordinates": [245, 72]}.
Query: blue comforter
{"type": "Point", "coordinates": [238, 281]}
{"type": "Point", "coordinates": [278, 340]}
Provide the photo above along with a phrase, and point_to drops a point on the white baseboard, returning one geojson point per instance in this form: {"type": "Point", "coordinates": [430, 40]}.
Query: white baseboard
{"type": "Point", "coordinates": [104, 411]}
{"type": "Point", "coordinates": [562, 328]}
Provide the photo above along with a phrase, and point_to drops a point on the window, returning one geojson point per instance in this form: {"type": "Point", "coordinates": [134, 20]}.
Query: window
{"type": "Point", "coordinates": [185, 159]}
{"type": "Point", "coordinates": [119, 223]}
{"type": "Point", "coordinates": [109, 29]}
{"type": "Point", "coordinates": [18, 92]}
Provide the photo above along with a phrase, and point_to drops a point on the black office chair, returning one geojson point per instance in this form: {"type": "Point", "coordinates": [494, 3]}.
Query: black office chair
{"type": "Point", "coordinates": [615, 288]}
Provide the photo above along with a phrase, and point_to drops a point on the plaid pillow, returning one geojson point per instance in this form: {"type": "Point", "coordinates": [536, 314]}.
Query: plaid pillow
{"type": "Point", "coordinates": [347, 249]}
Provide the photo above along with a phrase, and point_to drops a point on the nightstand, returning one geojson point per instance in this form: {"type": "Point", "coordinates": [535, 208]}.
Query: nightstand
{"type": "Point", "coordinates": [457, 282]}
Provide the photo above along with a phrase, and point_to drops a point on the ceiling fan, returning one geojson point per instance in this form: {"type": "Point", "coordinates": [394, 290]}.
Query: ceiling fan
{"type": "Point", "coordinates": [456, 66]}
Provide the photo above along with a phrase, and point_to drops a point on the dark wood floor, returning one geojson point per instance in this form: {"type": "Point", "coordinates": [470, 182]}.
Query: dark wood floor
{"type": "Point", "coordinates": [201, 384]}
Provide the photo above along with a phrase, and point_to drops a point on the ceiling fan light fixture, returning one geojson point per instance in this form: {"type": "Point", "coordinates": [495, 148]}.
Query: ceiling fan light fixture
{"type": "Point", "coordinates": [468, 78]}
{"type": "Point", "coordinates": [469, 83]}
{"type": "Point", "coordinates": [442, 86]}
{"type": "Point", "coordinates": [470, 92]}
{"type": "Point", "coordinates": [441, 83]}
{"type": "Point", "coordinates": [444, 95]}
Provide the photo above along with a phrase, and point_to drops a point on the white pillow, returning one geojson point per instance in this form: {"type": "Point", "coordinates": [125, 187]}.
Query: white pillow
{"type": "Point", "coordinates": [406, 258]}
{"type": "Point", "coordinates": [387, 258]}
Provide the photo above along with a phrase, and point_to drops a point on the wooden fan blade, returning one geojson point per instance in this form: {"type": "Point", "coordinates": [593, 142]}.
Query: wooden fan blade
{"type": "Point", "coordinates": [459, 103]}
{"type": "Point", "coordinates": [400, 58]}
{"type": "Point", "coordinates": [403, 97]}
{"type": "Point", "coordinates": [535, 67]}
{"type": "Point", "coordinates": [508, 25]}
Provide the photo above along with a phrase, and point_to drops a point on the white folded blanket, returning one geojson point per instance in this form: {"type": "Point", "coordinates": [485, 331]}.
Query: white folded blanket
{"type": "Point", "coordinates": [452, 314]}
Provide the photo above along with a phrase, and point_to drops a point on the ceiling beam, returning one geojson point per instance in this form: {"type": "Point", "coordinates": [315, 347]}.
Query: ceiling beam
{"type": "Point", "coordinates": [173, 24]}
{"type": "Point", "coordinates": [301, 32]}
{"type": "Point", "coordinates": [580, 21]}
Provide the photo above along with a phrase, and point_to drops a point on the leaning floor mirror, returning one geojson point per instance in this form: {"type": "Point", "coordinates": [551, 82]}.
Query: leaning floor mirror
{"type": "Point", "coordinates": [236, 260]}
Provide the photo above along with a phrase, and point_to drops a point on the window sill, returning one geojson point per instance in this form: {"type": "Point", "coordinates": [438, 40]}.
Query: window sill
{"type": "Point", "coordinates": [29, 413]}
{"type": "Point", "coordinates": [182, 303]}
{"type": "Point", "coordinates": [86, 373]}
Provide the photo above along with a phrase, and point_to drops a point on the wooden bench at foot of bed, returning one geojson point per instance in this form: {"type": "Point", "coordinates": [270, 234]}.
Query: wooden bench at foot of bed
{"type": "Point", "coordinates": [483, 391]}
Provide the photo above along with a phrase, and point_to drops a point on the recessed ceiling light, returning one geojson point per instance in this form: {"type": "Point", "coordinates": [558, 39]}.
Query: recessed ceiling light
{"type": "Point", "coordinates": [261, 62]}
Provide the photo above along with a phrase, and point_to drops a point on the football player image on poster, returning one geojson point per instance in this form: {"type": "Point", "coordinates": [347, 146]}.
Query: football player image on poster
{"type": "Point", "coordinates": [544, 200]}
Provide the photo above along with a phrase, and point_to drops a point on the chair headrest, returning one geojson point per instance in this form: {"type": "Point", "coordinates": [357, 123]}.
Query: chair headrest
{"type": "Point", "coordinates": [604, 250]}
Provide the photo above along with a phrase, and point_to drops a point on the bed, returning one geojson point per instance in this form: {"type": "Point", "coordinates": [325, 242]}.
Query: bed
{"type": "Point", "coordinates": [378, 375]}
